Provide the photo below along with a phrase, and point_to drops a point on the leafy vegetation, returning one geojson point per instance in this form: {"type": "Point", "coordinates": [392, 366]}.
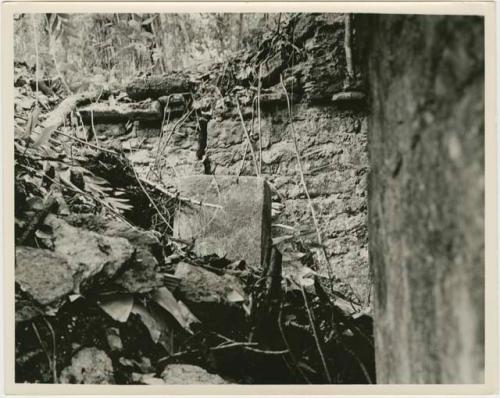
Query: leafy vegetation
{"type": "Point", "coordinates": [106, 50]}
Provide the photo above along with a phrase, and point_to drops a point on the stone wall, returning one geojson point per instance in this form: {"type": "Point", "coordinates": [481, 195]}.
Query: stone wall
{"type": "Point", "coordinates": [332, 147]}
{"type": "Point", "coordinates": [331, 134]}
{"type": "Point", "coordinates": [426, 197]}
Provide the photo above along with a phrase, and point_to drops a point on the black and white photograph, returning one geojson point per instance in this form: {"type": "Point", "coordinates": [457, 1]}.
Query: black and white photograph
{"type": "Point", "coordinates": [280, 198]}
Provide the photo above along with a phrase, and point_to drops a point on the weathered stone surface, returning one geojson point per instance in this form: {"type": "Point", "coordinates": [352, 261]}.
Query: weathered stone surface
{"type": "Point", "coordinates": [331, 141]}
{"type": "Point", "coordinates": [109, 129]}
{"type": "Point", "coordinates": [141, 275]}
{"type": "Point", "coordinates": [189, 374]}
{"type": "Point", "coordinates": [88, 366]}
{"type": "Point", "coordinates": [271, 70]}
{"type": "Point", "coordinates": [225, 133]}
{"type": "Point", "coordinates": [275, 96]}
{"type": "Point", "coordinates": [332, 146]}
{"type": "Point", "coordinates": [97, 256]}
{"type": "Point", "coordinates": [48, 277]}
{"type": "Point", "coordinates": [199, 285]}
{"type": "Point", "coordinates": [141, 157]}
{"type": "Point", "coordinates": [426, 197]}
{"type": "Point", "coordinates": [157, 86]}
{"type": "Point", "coordinates": [122, 112]}
{"type": "Point", "coordinates": [238, 230]}
{"type": "Point", "coordinates": [324, 73]}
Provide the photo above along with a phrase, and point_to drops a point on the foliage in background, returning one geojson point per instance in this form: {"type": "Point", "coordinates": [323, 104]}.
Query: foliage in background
{"type": "Point", "coordinates": [105, 50]}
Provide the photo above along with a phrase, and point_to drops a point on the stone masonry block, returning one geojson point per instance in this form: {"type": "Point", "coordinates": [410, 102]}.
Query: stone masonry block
{"type": "Point", "coordinates": [241, 229]}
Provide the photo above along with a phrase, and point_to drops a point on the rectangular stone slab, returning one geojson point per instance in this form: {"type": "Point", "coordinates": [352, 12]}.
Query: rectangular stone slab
{"type": "Point", "coordinates": [241, 229]}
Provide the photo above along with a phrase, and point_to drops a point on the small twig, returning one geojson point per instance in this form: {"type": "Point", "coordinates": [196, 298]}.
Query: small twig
{"type": "Point", "coordinates": [56, 65]}
{"type": "Point", "coordinates": [149, 197]}
{"type": "Point", "coordinates": [248, 137]}
{"type": "Point", "coordinates": [92, 125]}
{"type": "Point", "coordinates": [315, 334]}
{"type": "Point", "coordinates": [258, 115]}
{"type": "Point", "coordinates": [267, 352]}
{"type": "Point", "coordinates": [37, 219]}
{"type": "Point", "coordinates": [231, 345]}
{"type": "Point", "coordinates": [46, 352]}
{"type": "Point", "coordinates": [176, 125]}
{"type": "Point", "coordinates": [216, 212]}
{"type": "Point", "coordinates": [37, 69]}
{"type": "Point", "coordinates": [54, 350]}
{"type": "Point", "coordinates": [361, 364]}
{"type": "Point", "coordinates": [290, 352]}
{"type": "Point", "coordinates": [347, 45]}
{"type": "Point", "coordinates": [161, 132]}
{"type": "Point", "coordinates": [176, 355]}
{"type": "Point", "coordinates": [243, 159]}
{"type": "Point", "coordinates": [87, 143]}
{"type": "Point", "coordinates": [180, 198]}
{"type": "Point", "coordinates": [304, 185]}
{"type": "Point", "coordinates": [249, 347]}
{"type": "Point", "coordinates": [92, 118]}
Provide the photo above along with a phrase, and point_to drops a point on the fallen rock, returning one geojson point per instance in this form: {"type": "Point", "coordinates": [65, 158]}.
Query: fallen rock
{"type": "Point", "coordinates": [97, 256]}
{"type": "Point", "coordinates": [142, 275]}
{"type": "Point", "coordinates": [189, 374]}
{"type": "Point", "coordinates": [46, 276]}
{"type": "Point", "coordinates": [88, 366]}
{"type": "Point", "coordinates": [199, 285]}
{"type": "Point", "coordinates": [239, 230]}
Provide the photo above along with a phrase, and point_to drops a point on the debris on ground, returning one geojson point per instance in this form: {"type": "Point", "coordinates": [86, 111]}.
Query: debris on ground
{"type": "Point", "coordinates": [113, 287]}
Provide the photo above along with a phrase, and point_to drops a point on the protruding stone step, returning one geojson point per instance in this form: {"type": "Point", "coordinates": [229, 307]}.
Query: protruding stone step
{"type": "Point", "coordinates": [121, 112]}
{"type": "Point", "coordinates": [352, 96]}
{"type": "Point", "coordinates": [240, 230]}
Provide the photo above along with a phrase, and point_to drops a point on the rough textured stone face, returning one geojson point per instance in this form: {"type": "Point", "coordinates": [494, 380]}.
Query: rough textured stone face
{"type": "Point", "coordinates": [426, 198]}
{"type": "Point", "coordinates": [88, 366]}
{"type": "Point", "coordinates": [238, 230]}
{"type": "Point", "coordinates": [331, 139]}
{"type": "Point", "coordinates": [97, 256]}
{"type": "Point", "coordinates": [332, 146]}
{"type": "Point", "coordinates": [189, 374]}
{"type": "Point", "coordinates": [47, 276]}
{"type": "Point", "coordinates": [141, 275]}
{"type": "Point", "coordinates": [198, 285]}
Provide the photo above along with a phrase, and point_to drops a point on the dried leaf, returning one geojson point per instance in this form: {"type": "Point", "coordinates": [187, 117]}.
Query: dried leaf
{"type": "Point", "coordinates": [235, 297]}
{"type": "Point", "coordinates": [32, 121]}
{"type": "Point", "coordinates": [188, 315]}
{"type": "Point", "coordinates": [74, 297]}
{"type": "Point", "coordinates": [155, 324]}
{"type": "Point", "coordinates": [281, 239]}
{"type": "Point", "coordinates": [42, 234]}
{"type": "Point", "coordinates": [117, 306]}
{"type": "Point", "coordinates": [44, 136]}
{"type": "Point", "coordinates": [167, 301]}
